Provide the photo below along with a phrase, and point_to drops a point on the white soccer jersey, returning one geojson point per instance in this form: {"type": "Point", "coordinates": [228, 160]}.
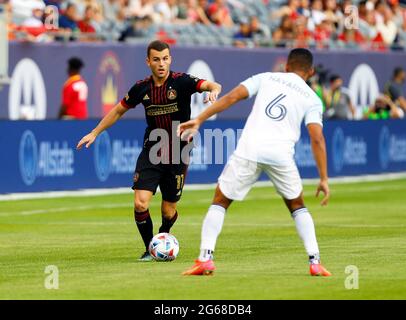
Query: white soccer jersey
{"type": "Point", "coordinates": [273, 127]}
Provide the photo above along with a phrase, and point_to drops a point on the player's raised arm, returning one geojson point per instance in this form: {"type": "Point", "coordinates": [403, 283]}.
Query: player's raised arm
{"type": "Point", "coordinates": [108, 120]}
{"type": "Point", "coordinates": [238, 93]}
{"type": "Point", "coordinates": [213, 88]}
{"type": "Point", "coordinates": [320, 155]}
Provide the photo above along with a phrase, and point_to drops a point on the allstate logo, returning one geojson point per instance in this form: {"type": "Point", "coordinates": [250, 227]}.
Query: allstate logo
{"type": "Point", "coordinates": [275, 110]}
{"type": "Point", "coordinates": [384, 146]}
{"type": "Point", "coordinates": [102, 156]}
{"type": "Point", "coordinates": [338, 149]}
{"type": "Point", "coordinates": [28, 157]}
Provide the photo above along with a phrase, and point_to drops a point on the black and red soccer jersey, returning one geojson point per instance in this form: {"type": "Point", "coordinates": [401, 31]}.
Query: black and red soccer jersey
{"type": "Point", "coordinates": [166, 103]}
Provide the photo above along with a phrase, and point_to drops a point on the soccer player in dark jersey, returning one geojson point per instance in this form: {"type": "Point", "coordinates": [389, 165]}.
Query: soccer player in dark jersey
{"type": "Point", "coordinates": [166, 96]}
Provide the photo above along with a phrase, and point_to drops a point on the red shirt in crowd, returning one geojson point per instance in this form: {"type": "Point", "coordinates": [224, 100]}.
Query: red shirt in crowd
{"type": "Point", "coordinates": [86, 27]}
{"type": "Point", "coordinates": [74, 97]}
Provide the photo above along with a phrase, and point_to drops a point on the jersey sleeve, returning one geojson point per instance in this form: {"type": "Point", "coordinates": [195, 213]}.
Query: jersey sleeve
{"type": "Point", "coordinates": [314, 114]}
{"type": "Point", "coordinates": [253, 83]}
{"type": "Point", "coordinates": [191, 83]}
{"type": "Point", "coordinates": [132, 98]}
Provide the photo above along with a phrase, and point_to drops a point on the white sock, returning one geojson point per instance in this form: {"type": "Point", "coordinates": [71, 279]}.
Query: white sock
{"type": "Point", "coordinates": [306, 231]}
{"type": "Point", "coordinates": [212, 225]}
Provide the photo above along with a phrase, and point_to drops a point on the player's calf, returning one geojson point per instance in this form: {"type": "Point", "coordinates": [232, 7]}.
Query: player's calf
{"type": "Point", "coordinates": [168, 222]}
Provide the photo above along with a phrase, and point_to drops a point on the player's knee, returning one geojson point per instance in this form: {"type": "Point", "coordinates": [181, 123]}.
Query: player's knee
{"type": "Point", "coordinates": [141, 205]}
{"type": "Point", "coordinates": [220, 199]}
{"type": "Point", "coordinates": [294, 204]}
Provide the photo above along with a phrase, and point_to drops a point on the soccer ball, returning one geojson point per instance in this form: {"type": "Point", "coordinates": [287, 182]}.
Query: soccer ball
{"type": "Point", "coordinates": [164, 247]}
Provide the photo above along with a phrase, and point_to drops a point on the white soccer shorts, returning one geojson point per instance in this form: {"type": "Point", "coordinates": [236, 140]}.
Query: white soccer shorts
{"type": "Point", "coordinates": [240, 174]}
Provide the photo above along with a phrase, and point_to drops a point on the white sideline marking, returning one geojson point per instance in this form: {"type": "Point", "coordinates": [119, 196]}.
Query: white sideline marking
{"type": "Point", "coordinates": [237, 225]}
{"type": "Point", "coordinates": [111, 191]}
{"type": "Point", "coordinates": [202, 200]}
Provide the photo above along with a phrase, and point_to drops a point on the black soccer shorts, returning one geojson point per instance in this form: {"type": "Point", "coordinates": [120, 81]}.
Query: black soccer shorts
{"type": "Point", "coordinates": [169, 177]}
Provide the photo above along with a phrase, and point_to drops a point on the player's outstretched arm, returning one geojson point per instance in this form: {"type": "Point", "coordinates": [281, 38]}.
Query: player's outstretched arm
{"type": "Point", "coordinates": [213, 88]}
{"type": "Point", "coordinates": [320, 155]}
{"type": "Point", "coordinates": [238, 93]}
{"type": "Point", "coordinates": [108, 120]}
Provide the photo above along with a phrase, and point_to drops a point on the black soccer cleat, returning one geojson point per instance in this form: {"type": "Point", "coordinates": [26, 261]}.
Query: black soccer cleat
{"type": "Point", "coordinates": [146, 257]}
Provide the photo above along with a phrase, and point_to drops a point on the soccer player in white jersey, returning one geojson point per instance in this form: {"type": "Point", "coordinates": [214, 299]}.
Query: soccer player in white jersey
{"type": "Point", "coordinates": [283, 101]}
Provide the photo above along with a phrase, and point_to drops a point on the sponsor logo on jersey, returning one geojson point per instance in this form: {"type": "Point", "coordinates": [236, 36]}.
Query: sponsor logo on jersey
{"type": "Point", "coordinates": [172, 94]}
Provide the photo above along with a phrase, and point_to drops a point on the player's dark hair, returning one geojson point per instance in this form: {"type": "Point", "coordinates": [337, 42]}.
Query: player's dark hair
{"type": "Point", "coordinates": [75, 64]}
{"type": "Point", "coordinates": [158, 46]}
{"type": "Point", "coordinates": [334, 77]}
{"type": "Point", "coordinates": [300, 59]}
{"type": "Point", "coordinates": [397, 71]}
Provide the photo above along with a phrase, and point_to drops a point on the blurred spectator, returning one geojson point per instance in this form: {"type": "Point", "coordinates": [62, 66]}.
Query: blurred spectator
{"type": "Point", "coordinates": [318, 82]}
{"type": "Point", "coordinates": [202, 12]}
{"type": "Point", "coordinates": [259, 31]}
{"type": "Point", "coordinates": [351, 37]}
{"type": "Point", "coordinates": [34, 26]}
{"type": "Point", "coordinates": [401, 37]}
{"type": "Point", "coordinates": [219, 14]}
{"type": "Point", "coordinates": [168, 10]}
{"type": "Point", "coordinates": [140, 9]}
{"type": "Point", "coordinates": [22, 9]}
{"type": "Point", "coordinates": [382, 23]}
{"type": "Point", "coordinates": [35, 20]}
{"type": "Point", "coordinates": [56, 3]}
{"type": "Point", "coordinates": [303, 37]}
{"type": "Point", "coordinates": [137, 29]}
{"type": "Point", "coordinates": [324, 33]}
{"type": "Point", "coordinates": [382, 109]}
{"type": "Point", "coordinates": [386, 26]}
{"type": "Point", "coordinates": [304, 8]}
{"type": "Point", "coordinates": [243, 35]}
{"type": "Point", "coordinates": [399, 13]}
{"type": "Point", "coordinates": [110, 9]}
{"type": "Point", "coordinates": [69, 18]}
{"type": "Point", "coordinates": [113, 21]}
{"type": "Point", "coordinates": [285, 33]}
{"type": "Point", "coordinates": [394, 87]}
{"type": "Point", "coordinates": [317, 16]}
{"type": "Point", "coordinates": [367, 24]}
{"type": "Point", "coordinates": [291, 9]}
{"type": "Point", "coordinates": [74, 93]}
{"type": "Point", "coordinates": [338, 101]}
{"type": "Point", "coordinates": [332, 12]}
{"type": "Point", "coordinates": [85, 25]}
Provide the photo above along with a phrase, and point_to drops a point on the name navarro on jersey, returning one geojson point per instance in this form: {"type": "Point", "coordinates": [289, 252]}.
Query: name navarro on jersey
{"type": "Point", "coordinates": [290, 85]}
{"type": "Point", "coordinates": [156, 110]}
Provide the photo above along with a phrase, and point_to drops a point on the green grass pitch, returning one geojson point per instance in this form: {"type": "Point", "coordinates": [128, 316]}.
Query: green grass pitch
{"type": "Point", "coordinates": [95, 245]}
